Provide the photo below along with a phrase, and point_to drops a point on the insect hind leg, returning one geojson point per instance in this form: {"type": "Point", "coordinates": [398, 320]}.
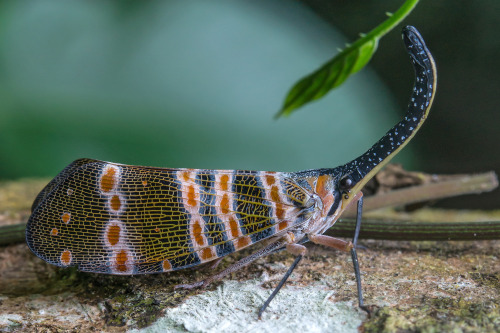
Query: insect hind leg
{"type": "Point", "coordinates": [236, 266]}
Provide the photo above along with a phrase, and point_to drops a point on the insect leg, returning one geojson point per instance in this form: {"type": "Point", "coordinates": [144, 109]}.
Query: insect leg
{"type": "Point", "coordinates": [344, 246]}
{"type": "Point", "coordinates": [296, 249]}
{"type": "Point", "coordinates": [234, 267]}
{"type": "Point", "coordinates": [215, 263]}
{"type": "Point", "coordinates": [332, 242]}
{"type": "Point", "coordinates": [354, 256]}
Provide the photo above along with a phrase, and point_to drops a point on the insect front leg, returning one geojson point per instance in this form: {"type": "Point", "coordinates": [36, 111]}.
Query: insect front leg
{"type": "Point", "coordinates": [346, 246]}
{"type": "Point", "coordinates": [332, 242]}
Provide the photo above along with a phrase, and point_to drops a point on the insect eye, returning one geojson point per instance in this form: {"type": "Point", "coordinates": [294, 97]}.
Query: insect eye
{"type": "Point", "coordinates": [346, 184]}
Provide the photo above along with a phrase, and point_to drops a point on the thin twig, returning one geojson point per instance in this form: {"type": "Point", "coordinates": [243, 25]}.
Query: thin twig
{"type": "Point", "coordinates": [439, 189]}
{"type": "Point", "coordinates": [427, 231]}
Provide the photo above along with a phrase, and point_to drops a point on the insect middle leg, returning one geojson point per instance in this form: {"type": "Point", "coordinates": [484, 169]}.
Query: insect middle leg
{"type": "Point", "coordinates": [287, 241]}
{"type": "Point", "coordinates": [299, 251]}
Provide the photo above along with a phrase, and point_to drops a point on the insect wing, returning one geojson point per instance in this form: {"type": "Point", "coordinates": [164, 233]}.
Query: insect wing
{"type": "Point", "coordinates": [119, 219]}
{"type": "Point", "coordinates": [60, 177]}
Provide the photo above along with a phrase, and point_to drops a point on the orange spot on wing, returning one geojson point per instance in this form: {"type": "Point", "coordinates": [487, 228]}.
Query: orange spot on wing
{"type": "Point", "coordinates": [282, 225]}
{"type": "Point", "coordinates": [207, 253]}
{"type": "Point", "coordinates": [66, 257]}
{"type": "Point", "coordinates": [275, 196]}
{"type": "Point", "coordinates": [54, 232]}
{"type": "Point", "coordinates": [157, 229]}
{"type": "Point", "coordinates": [113, 234]}
{"type": "Point", "coordinates": [121, 261]}
{"type": "Point", "coordinates": [224, 179]}
{"type": "Point", "coordinates": [224, 204]}
{"type": "Point", "coordinates": [108, 179]}
{"type": "Point", "coordinates": [166, 265]}
{"type": "Point", "coordinates": [233, 225]}
{"type": "Point", "coordinates": [242, 242]}
{"type": "Point", "coordinates": [280, 212]}
{"type": "Point", "coordinates": [198, 237]}
{"type": "Point", "coordinates": [270, 180]}
{"type": "Point", "coordinates": [185, 176]}
{"type": "Point", "coordinates": [115, 203]}
{"type": "Point", "coordinates": [144, 183]}
{"type": "Point", "coordinates": [66, 217]}
{"type": "Point", "coordinates": [191, 196]}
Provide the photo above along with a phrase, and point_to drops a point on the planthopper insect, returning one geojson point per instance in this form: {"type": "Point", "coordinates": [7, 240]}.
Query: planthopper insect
{"type": "Point", "coordinates": [121, 219]}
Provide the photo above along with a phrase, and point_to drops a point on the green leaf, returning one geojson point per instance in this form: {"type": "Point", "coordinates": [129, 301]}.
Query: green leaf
{"type": "Point", "coordinates": [349, 61]}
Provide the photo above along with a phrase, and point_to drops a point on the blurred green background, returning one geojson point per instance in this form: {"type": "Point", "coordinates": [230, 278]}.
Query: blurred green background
{"type": "Point", "coordinates": [197, 83]}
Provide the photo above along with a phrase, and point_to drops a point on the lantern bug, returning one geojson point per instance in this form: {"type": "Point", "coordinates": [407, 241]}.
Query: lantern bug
{"type": "Point", "coordinates": [112, 218]}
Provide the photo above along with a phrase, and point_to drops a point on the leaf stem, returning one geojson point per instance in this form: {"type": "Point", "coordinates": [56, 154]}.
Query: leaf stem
{"type": "Point", "coordinates": [382, 29]}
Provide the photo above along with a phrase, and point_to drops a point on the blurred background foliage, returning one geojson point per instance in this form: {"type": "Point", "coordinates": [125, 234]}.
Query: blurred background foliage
{"type": "Point", "coordinates": [197, 83]}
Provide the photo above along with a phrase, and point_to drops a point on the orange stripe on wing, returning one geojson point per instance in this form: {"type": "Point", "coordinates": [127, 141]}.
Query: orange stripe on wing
{"type": "Point", "coordinates": [122, 261]}
{"type": "Point", "coordinates": [207, 254]}
{"type": "Point", "coordinates": [282, 213]}
{"type": "Point", "coordinates": [224, 204]}
{"type": "Point", "coordinates": [191, 201]}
